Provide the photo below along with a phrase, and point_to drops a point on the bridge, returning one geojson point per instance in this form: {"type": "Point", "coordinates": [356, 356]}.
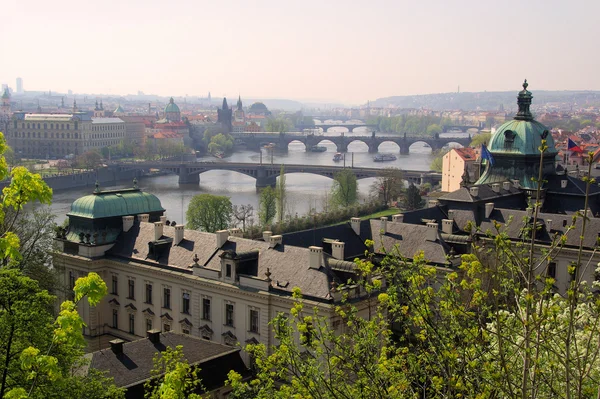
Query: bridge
{"type": "Point", "coordinates": [282, 140]}
{"type": "Point", "coordinates": [266, 174]}
{"type": "Point", "coordinates": [326, 126]}
{"type": "Point", "coordinates": [462, 128]}
{"type": "Point", "coordinates": [324, 118]}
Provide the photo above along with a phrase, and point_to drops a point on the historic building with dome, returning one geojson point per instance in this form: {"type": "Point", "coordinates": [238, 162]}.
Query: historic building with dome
{"type": "Point", "coordinates": [171, 112]}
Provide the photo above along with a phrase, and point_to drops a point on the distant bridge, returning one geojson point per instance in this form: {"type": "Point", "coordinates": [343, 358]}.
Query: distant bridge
{"type": "Point", "coordinates": [282, 140]}
{"type": "Point", "coordinates": [266, 174]}
{"type": "Point", "coordinates": [332, 118]}
{"type": "Point", "coordinates": [462, 128]}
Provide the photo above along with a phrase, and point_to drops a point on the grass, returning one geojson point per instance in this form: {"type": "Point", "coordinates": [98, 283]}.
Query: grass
{"type": "Point", "coordinates": [386, 212]}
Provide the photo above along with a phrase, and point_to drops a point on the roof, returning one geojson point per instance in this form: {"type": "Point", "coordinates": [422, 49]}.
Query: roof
{"type": "Point", "coordinates": [288, 265]}
{"type": "Point", "coordinates": [6, 94]}
{"type": "Point", "coordinates": [467, 153]}
{"type": "Point", "coordinates": [119, 110]}
{"type": "Point", "coordinates": [171, 106]}
{"type": "Point", "coordinates": [168, 135]}
{"type": "Point", "coordinates": [258, 107]}
{"type": "Point", "coordinates": [49, 117]}
{"type": "Point", "coordinates": [135, 365]}
{"type": "Point", "coordinates": [107, 120]}
{"type": "Point", "coordinates": [114, 203]}
{"type": "Point", "coordinates": [485, 193]}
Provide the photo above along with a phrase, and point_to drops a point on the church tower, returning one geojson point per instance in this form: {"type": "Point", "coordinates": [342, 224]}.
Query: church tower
{"type": "Point", "coordinates": [5, 110]}
{"type": "Point", "coordinates": [224, 116]}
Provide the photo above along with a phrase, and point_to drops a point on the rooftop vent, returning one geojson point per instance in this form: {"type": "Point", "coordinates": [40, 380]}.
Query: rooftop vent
{"type": "Point", "coordinates": [489, 207]}
{"type": "Point", "coordinates": [496, 187]}
{"type": "Point", "coordinates": [316, 254]}
{"type": "Point", "coordinates": [127, 223]}
{"type": "Point", "coordinates": [399, 218]}
{"type": "Point", "coordinates": [355, 223]}
{"type": "Point", "coordinates": [153, 336]}
{"type": "Point", "coordinates": [179, 230]}
{"type": "Point", "coordinates": [116, 345]}
{"type": "Point", "coordinates": [222, 236]}
{"type": "Point", "coordinates": [474, 191]}
{"type": "Point", "coordinates": [563, 183]}
{"type": "Point", "coordinates": [506, 185]}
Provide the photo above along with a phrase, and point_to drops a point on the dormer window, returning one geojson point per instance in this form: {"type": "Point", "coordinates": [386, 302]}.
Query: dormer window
{"type": "Point", "coordinates": [509, 139]}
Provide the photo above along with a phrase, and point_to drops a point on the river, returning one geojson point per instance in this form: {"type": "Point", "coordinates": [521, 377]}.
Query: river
{"type": "Point", "coordinates": [305, 191]}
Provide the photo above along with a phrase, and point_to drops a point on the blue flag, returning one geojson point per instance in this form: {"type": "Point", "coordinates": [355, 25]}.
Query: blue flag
{"type": "Point", "coordinates": [485, 154]}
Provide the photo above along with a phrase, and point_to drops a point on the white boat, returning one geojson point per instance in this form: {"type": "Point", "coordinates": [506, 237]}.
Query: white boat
{"type": "Point", "coordinates": [384, 157]}
{"type": "Point", "coordinates": [338, 157]}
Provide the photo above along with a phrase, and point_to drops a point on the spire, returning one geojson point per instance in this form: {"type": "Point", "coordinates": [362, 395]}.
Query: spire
{"type": "Point", "coordinates": [62, 102]}
{"type": "Point", "coordinates": [74, 105]}
{"type": "Point", "coordinates": [225, 103]}
{"type": "Point", "coordinates": [39, 109]}
{"type": "Point", "coordinates": [101, 106]}
{"type": "Point", "coordinates": [239, 103]}
{"type": "Point", "coordinates": [96, 109]}
{"type": "Point", "coordinates": [524, 102]}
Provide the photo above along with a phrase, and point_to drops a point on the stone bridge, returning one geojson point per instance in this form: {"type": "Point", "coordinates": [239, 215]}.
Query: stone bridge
{"type": "Point", "coordinates": [266, 174]}
{"type": "Point", "coordinates": [282, 140]}
{"type": "Point", "coordinates": [462, 128]}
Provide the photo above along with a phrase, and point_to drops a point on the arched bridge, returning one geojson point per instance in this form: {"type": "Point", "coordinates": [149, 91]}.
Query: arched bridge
{"type": "Point", "coordinates": [462, 128]}
{"type": "Point", "coordinates": [266, 174]}
{"type": "Point", "coordinates": [326, 126]}
{"type": "Point", "coordinates": [282, 140]}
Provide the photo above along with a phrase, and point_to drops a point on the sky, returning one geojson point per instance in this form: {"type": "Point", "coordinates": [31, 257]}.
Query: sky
{"type": "Point", "coordinates": [328, 50]}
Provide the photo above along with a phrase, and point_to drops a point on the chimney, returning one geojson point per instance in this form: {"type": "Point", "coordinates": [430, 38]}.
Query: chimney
{"type": "Point", "coordinates": [267, 235]}
{"type": "Point", "coordinates": [506, 185]}
{"type": "Point", "coordinates": [516, 183]}
{"type": "Point", "coordinates": [158, 230]}
{"type": "Point", "coordinates": [383, 227]}
{"type": "Point", "coordinates": [163, 219]}
{"type": "Point", "coordinates": [355, 223]}
{"type": "Point", "coordinates": [548, 225]}
{"type": "Point", "coordinates": [236, 232]}
{"type": "Point", "coordinates": [337, 249]}
{"type": "Point", "coordinates": [316, 254]}
{"type": "Point", "coordinates": [496, 187]}
{"type": "Point", "coordinates": [153, 336]}
{"type": "Point", "coordinates": [179, 229]}
{"type": "Point", "coordinates": [275, 240]}
{"type": "Point", "coordinates": [474, 191]}
{"type": "Point", "coordinates": [447, 226]}
{"type": "Point", "coordinates": [451, 214]}
{"type": "Point", "coordinates": [222, 236]}
{"type": "Point", "coordinates": [398, 218]}
{"type": "Point", "coordinates": [116, 345]}
{"type": "Point", "coordinates": [144, 217]}
{"type": "Point", "coordinates": [127, 223]}
{"type": "Point", "coordinates": [432, 203]}
{"type": "Point", "coordinates": [489, 207]}
{"type": "Point", "coordinates": [432, 231]}
{"type": "Point", "coordinates": [563, 183]}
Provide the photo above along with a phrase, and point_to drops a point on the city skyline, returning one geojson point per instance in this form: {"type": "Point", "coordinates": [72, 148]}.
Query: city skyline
{"type": "Point", "coordinates": [332, 52]}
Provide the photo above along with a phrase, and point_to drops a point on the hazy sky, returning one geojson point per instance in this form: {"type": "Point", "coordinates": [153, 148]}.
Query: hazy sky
{"type": "Point", "coordinates": [348, 50]}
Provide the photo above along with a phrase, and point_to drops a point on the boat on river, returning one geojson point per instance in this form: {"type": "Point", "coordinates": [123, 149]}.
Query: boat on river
{"type": "Point", "coordinates": [338, 157]}
{"type": "Point", "coordinates": [317, 148]}
{"type": "Point", "coordinates": [384, 157]}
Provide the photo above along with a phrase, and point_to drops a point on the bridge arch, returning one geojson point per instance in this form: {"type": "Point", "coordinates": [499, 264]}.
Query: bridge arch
{"type": "Point", "coordinates": [327, 143]}
{"type": "Point", "coordinates": [296, 145]}
{"type": "Point", "coordinates": [326, 128]}
{"type": "Point", "coordinates": [453, 144]}
{"type": "Point", "coordinates": [389, 146]}
{"type": "Point", "coordinates": [357, 145]}
{"type": "Point", "coordinates": [420, 146]}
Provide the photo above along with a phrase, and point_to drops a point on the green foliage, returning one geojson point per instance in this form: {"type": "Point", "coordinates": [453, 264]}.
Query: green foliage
{"type": "Point", "coordinates": [479, 139]}
{"type": "Point", "coordinates": [278, 125]}
{"type": "Point", "coordinates": [344, 191]}
{"type": "Point", "coordinates": [434, 129]}
{"type": "Point", "coordinates": [172, 377]}
{"type": "Point", "coordinates": [209, 212]}
{"type": "Point", "coordinates": [88, 160]}
{"type": "Point", "coordinates": [268, 205]}
{"type": "Point", "coordinates": [280, 192]}
{"type": "Point", "coordinates": [437, 163]}
{"type": "Point", "coordinates": [412, 198]}
{"type": "Point", "coordinates": [220, 143]}
{"type": "Point", "coordinates": [412, 125]}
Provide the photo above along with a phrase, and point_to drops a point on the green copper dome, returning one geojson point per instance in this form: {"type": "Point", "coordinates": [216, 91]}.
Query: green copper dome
{"type": "Point", "coordinates": [105, 204]}
{"type": "Point", "coordinates": [6, 94]}
{"type": "Point", "coordinates": [171, 107]}
{"type": "Point", "coordinates": [119, 110]}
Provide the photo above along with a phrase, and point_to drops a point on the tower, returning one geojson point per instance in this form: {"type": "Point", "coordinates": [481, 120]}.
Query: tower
{"type": "Point", "coordinates": [99, 110]}
{"type": "Point", "coordinates": [75, 106]}
{"type": "Point", "coordinates": [209, 98]}
{"type": "Point", "coordinates": [5, 110]}
{"type": "Point", "coordinates": [224, 116]}
{"type": "Point", "coordinates": [19, 86]}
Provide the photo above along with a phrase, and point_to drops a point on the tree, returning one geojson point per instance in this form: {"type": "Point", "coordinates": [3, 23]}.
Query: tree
{"type": "Point", "coordinates": [437, 163]}
{"type": "Point", "coordinates": [242, 213]}
{"type": "Point", "coordinates": [389, 185]}
{"type": "Point", "coordinates": [344, 191]}
{"type": "Point", "coordinates": [433, 129]}
{"type": "Point", "coordinates": [88, 160]}
{"type": "Point", "coordinates": [479, 139]}
{"type": "Point", "coordinates": [412, 198]}
{"type": "Point", "coordinates": [220, 143]}
{"type": "Point", "coordinates": [172, 377]}
{"type": "Point", "coordinates": [268, 206]}
{"type": "Point", "coordinates": [280, 191]}
{"type": "Point", "coordinates": [209, 212]}
{"type": "Point", "coordinates": [278, 125]}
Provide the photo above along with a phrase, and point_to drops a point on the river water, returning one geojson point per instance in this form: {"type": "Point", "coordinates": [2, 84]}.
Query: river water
{"type": "Point", "coordinates": [305, 191]}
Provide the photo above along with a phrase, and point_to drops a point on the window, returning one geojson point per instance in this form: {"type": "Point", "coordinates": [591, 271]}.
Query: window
{"type": "Point", "coordinates": [115, 320]}
{"type": "Point", "coordinates": [149, 293]}
{"type": "Point", "coordinates": [148, 324]}
{"type": "Point", "coordinates": [552, 269]}
{"type": "Point", "coordinates": [115, 285]}
{"type": "Point", "coordinates": [131, 324]}
{"type": "Point", "coordinates": [185, 331]}
{"type": "Point", "coordinates": [71, 280]}
{"type": "Point", "coordinates": [166, 327]}
{"type": "Point", "coordinates": [185, 303]}
{"type": "Point", "coordinates": [206, 308]}
{"type": "Point", "coordinates": [307, 336]}
{"type": "Point", "coordinates": [509, 139]}
{"type": "Point", "coordinates": [229, 314]}
{"type": "Point", "coordinates": [131, 291]}
{"type": "Point", "coordinates": [228, 270]}
{"type": "Point", "coordinates": [254, 321]}
{"type": "Point", "coordinates": [167, 298]}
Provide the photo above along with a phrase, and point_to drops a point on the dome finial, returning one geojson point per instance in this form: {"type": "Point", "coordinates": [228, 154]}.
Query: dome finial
{"type": "Point", "coordinates": [135, 182]}
{"type": "Point", "coordinates": [524, 102]}
{"type": "Point", "coordinates": [97, 190]}
{"type": "Point", "coordinates": [525, 84]}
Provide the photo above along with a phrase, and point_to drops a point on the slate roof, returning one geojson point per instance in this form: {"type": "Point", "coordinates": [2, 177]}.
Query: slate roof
{"type": "Point", "coordinates": [410, 239]}
{"type": "Point", "coordinates": [287, 264]}
{"type": "Point", "coordinates": [134, 366]}
{"type": "Point", "coordinates": [574, 186]}
{"type": "Point", "coordinates": [486, 193]}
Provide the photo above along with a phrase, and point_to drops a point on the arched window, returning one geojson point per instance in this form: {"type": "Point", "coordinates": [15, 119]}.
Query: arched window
{"type": "Point", "coordinates": [509, 139]}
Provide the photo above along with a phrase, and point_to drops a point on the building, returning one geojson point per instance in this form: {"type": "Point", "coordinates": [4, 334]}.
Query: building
{"type": "Point", "coordinates": [171, 112]}
{"type": "Point", "coordinates": [239, 118]}
{"type": "Point", "coordinates": [459, 167]}
{"type": "Point", "coordinates": [99, 110]}
{"type": "Point", "coordinates": [216, 286]}
{"type": "Point", "coordinates": [42, 135]}
{"type": "Point", "coordinates": [5, 112]}
{"type": "Point", "coordinates": [224, 116]}
{"type": "Point", "coordinates": [130, 364]}
{"type": "Point", "coordinates": [19, 86]}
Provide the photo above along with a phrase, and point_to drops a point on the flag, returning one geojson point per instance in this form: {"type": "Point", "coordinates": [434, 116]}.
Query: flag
{"type": "Point", "coordinates": [485, 154]}
{"type": "Point", "coordinates": [572, 146]}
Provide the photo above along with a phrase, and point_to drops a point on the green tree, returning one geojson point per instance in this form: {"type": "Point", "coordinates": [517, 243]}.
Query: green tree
{"type": "Point", "coordinates": [268, 206]}
{"type": "Point", "coordinates": [479, 139]}
{"type": "Point", "coordinates": [209, 212]}
{"type": "Point", "coordinates": [434, 129]}
{"type": "Point", "coordinates": [88, 160]}
{"type": "Point", "coordinates": [220, 143]}
{"type": "Point", "coordinates": [388, 185]}
{"type": "Point", "coordinates": [278, 125]}
{"type": "Point", "coordinates": [172, 377]}
{"type": "Point", "coordinates": [344, 191]}
{"type": "Point", "coordinates": [280, 191]}
{"type": "Point", "coordinates": [412, 198]}
{"type": "Point", "coordinates": [437, 163]}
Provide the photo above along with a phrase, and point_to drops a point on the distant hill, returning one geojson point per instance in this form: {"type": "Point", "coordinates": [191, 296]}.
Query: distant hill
{"type": "Point", "coordinates": [488, 100]}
